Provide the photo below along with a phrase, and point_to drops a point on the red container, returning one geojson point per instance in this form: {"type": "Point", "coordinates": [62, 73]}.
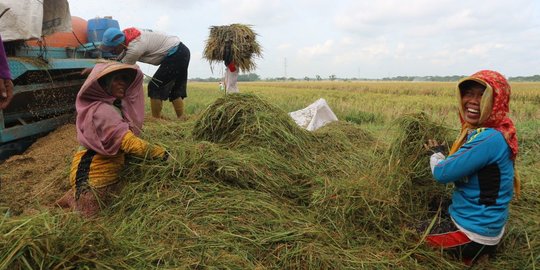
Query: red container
{"type": "Point", "coordinates": [65, 39]}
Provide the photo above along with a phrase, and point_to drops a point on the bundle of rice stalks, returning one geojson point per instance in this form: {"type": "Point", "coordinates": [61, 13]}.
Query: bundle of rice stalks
{"type": "Point", "coordinates": [410, 160]}
{"type": "Point", "coordinates": [357, 206]}
{"type": "Point", "coordinates": [48, 241]}
{"type": "Point", "coordinates": [341, 149]}
{"type": "Point", "coordinates": [260, 170]}
{"type": "Point", "coordinates": [236, 41]}
{"type": "Point", "coordinates": [211, 224]}
{"type": "Point", "coordinates": [354, 198]}
{"type": "Point", "coordinates": [408, 149]}
{"type": "Point", "coordinates": [247, 121]}
{"type": "Point", "coordinates": [315, 255]}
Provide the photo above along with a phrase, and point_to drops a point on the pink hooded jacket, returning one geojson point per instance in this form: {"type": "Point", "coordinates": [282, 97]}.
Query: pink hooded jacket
{"type": "Point", "coordinates": [99, 125]}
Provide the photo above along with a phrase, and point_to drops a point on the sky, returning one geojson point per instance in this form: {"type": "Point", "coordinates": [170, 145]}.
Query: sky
{"type": "Point", "coordinates": [349, 38]}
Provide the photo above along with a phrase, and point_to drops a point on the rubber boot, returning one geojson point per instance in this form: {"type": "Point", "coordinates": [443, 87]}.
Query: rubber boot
{"type": "Point", "coordinates": [178, 105]}
{"type": "Point", "coordinates": [156, 105]}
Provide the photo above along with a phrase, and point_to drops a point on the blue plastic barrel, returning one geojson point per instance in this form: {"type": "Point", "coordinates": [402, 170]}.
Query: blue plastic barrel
{"type": "Point", "coordinates": [97, 26]}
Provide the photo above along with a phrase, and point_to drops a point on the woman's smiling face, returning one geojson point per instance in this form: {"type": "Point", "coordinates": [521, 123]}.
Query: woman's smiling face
{"type": "Point", "coordinates": [470, 100]}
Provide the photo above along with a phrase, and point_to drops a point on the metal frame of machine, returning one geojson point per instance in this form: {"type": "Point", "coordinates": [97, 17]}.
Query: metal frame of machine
{"type": "Point", "coordinates": [47, 81]}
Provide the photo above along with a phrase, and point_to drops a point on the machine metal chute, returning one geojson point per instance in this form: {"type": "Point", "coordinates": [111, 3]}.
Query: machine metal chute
{"type": "Point", "coordinates": [47, 78]}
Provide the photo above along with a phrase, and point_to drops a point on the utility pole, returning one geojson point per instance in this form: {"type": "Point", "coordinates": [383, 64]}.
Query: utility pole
{"type": "Point", "coordinates": [285, 68]}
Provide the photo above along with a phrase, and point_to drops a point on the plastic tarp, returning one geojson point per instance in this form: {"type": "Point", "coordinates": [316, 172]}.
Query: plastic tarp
{"type": "Point", "coordinates": [27, 19]}
{"type": "Point", "coordinates": [314, 116]}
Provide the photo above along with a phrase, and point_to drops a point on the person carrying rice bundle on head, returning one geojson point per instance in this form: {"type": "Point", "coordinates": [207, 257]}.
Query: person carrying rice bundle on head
{"type": "Point", "coordinates": [236, 46]}
{"type": "Point", "coordinates": [481, 167]}
{"type": "Point", "coordinates": [110, 113]}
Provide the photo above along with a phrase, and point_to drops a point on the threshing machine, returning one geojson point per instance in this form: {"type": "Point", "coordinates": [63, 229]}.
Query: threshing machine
{"type": "Point", "coordinates": [47, 76]}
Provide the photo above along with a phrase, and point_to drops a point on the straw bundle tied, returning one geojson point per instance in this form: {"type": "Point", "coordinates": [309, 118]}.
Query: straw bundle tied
{"type": "Point", "coordinates": [243, 43]}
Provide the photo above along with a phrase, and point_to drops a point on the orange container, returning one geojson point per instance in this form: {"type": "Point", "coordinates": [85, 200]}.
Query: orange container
{"type": "Point", "coordinates": [65, 39]}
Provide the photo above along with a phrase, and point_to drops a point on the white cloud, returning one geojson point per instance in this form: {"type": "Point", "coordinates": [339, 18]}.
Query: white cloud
{"type": "Point", "coordinates": [379, 38]}
{"type": "Point", "coordinates": [284, 46]}
{"type": "Point", "coordinates": [253, 11]}
{"type": "Point", "coordinates": [480, 50]}
{"type": "Point", "coordinates": [163, 23]}
{"type": "Point", "coordinates": [317, 50]}
{"type": "Point", "coordinates": [346, 41]}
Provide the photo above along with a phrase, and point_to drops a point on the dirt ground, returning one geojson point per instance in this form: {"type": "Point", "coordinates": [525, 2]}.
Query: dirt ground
{"type": "Point", "coordinates": [38, 177]}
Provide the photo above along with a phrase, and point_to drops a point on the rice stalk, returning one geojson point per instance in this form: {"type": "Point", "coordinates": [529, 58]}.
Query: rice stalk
{"type": "Point", "coordinates": [243, 42]}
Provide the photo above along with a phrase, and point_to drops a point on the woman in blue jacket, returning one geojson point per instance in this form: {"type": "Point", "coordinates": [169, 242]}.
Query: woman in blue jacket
{"type": "Point", "coordinates": [481, 167]}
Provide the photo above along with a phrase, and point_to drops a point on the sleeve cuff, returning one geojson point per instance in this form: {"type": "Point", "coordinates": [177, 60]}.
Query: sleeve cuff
{"type": "Point", "coordinates": [435, 159]}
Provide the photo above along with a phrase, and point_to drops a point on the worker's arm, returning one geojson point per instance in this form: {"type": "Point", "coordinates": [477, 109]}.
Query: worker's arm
{"type": "Point", "coordinates": [478, 152]}
{"type": "Point", "coordinates": [134, 145]}
{"type": "Point", "coordinates": [132, 53]}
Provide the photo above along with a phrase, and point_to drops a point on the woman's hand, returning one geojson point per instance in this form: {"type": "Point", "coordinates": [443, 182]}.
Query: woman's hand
{"type": "Point", "coordinates": [6, 92]}
{"type": "Point", "coordinates": [432, 147]}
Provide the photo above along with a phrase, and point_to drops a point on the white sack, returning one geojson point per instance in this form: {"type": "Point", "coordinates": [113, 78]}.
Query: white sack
{"type": "Point", "coordinates": [231, 81]}
{"type": "Point", "coordinates": [56, 17]}
{"type": "Point", "coordinates": [314, 116]}
{"type": "Point", "coordinates": [28, 19]}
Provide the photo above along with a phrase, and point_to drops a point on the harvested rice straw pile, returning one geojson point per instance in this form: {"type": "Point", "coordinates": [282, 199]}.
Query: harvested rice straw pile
{"type": "Point", "coordinates": [410, 160]}
{"type": "Point", "coordinates": [392, 187]}
{"type": "Point", "coordinates": [244, 45]}
{"type": "Point", "coordinates": [230, 198]}
{"type": "Point", "coordinates": [245, 120]}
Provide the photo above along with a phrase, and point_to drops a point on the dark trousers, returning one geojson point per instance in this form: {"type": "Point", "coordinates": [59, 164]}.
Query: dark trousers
{"type": "Point", "coordinates": [446, 236]}
{"type": "Point", "coordinates": [170, 80]}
